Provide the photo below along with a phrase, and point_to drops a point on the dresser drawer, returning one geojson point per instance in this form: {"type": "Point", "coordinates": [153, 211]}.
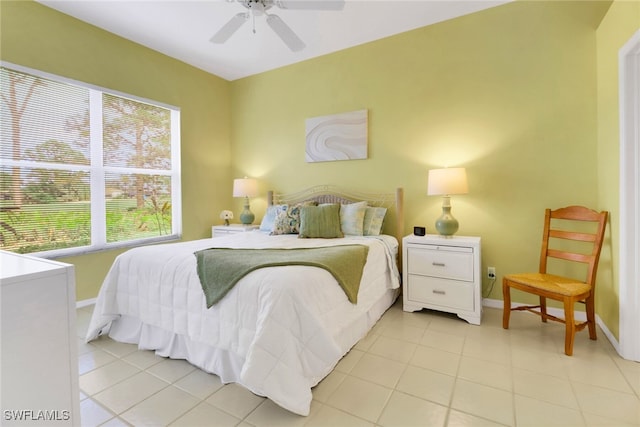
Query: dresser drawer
{"type": "Point", "coordinates": [449, 262]}
{"type": "Point", "coordinates": [224, 232]}
{"type": "Point", "coordinates": [441, 292]}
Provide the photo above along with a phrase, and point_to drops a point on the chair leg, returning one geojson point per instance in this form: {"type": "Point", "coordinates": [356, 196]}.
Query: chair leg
{"type": "Point", "coordinates": [570, 326]}
{"type": "Point", "coordinates": [506, 297]}
{"type": "Point", "coordinates": [543, 309]}
{"type": "Point", "coordinates": [591, 316]}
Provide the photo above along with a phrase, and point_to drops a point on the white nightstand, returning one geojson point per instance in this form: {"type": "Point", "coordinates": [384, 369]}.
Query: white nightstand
{"type": "Point", "coordinates": [442, 273]}
{"type": "Point", "coordinates": [223, 230]}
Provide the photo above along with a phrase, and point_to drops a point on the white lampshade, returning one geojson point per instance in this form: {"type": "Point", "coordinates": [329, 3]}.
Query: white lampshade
{"type": "Point", "coordinates": [447, 181]}
{"type": "Point", "coordinates": [245, 187]}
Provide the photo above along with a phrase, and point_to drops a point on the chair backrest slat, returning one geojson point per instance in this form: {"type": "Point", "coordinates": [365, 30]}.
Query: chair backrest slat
{"type": "Point", "coordinates": [572, 235]}
{"type": "Point", "coordinates": [564, 216]}
{"type": "Point", "coordinates": [569, 256]}
{"type": "Point", "coordinates": [577, 213]}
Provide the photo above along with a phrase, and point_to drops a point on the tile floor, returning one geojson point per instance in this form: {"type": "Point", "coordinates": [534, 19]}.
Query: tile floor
{"type": "Point", "coordinates": [413, 369]}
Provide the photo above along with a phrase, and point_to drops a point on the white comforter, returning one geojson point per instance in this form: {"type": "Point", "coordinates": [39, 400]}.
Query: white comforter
{"type": "Point", "coordinates": [278, 332]}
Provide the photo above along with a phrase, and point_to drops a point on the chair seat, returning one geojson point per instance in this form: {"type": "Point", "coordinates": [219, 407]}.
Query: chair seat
{"type": "Point", "coordinates": [550, 283]}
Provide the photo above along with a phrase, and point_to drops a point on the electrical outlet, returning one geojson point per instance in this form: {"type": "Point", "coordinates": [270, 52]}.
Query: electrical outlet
{"type": "Point", "coordinates": [491, 273]}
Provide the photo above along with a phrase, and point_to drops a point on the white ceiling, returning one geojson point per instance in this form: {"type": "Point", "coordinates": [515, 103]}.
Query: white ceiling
{"type": "Point", "coordinates": [182, 28]}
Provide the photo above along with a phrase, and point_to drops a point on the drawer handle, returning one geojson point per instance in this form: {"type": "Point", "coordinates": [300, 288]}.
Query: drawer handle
{"type": "Point", "coordinates": [438, 264]}
{"type": "Point", "coordinates": [435, 291]}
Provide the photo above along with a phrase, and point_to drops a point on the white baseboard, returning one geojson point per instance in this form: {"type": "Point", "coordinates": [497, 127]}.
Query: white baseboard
{"type": "Point", "coordinates": [579, 315]}
{"type": "Point", "coordinates": [85, 303]}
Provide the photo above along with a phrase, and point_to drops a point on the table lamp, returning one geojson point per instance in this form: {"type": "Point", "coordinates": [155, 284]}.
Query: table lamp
{"type": "Point", "coordinates": [245, 187]}
{"type": "Point", "coordinates": [445, 182]}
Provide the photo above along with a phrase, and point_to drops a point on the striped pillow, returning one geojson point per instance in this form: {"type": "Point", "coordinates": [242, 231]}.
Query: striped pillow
{"type": "Point", "coordinates": [373, 220]}
{"type": "Point", "coordinates": [352, 218]}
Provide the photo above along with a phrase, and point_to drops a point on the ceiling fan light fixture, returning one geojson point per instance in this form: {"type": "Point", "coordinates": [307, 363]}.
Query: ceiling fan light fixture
{"type": "Point", "coordinates": [257, 5]}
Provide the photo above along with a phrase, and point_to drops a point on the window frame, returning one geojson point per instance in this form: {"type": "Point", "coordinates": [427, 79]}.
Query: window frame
{"type": "Point", "coordinates": [97, 170]}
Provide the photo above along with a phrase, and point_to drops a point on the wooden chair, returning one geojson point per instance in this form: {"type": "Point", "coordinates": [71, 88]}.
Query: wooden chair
{"type": "Point", "coordinates": [568, 290]}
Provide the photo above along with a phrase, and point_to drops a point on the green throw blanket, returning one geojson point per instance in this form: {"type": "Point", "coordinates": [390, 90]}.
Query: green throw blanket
{"type": "Point", "coordinates": [220, 269]}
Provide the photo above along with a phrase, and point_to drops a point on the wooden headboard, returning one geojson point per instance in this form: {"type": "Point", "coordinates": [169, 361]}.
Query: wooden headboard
{"type": "Point", "coordinates": [394, 202]}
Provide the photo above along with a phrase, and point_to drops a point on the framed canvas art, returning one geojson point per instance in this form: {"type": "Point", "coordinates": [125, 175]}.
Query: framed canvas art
{"type": "Point", "coordinates": [337, 137]}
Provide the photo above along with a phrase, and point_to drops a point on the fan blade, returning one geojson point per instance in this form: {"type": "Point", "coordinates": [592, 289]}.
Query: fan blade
{"type": "Point", "coordinates": [229, 28]}
{"type": "Point", "coordinates": [286, 34]}
{"type": "Point", "coordinates": [311, 4]}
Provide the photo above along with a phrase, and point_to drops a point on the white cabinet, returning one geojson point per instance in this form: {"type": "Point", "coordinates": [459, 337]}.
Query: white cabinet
{"type": "Point", "coordinates": [39, 365]}
{"type": "Point", "coordinates": [223, 230]}
{"type": "Point", "coordinates": [442, 273]}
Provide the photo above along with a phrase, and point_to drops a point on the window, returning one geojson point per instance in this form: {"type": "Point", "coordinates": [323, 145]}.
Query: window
{"type": "Point", "coordinates": [83, 168]}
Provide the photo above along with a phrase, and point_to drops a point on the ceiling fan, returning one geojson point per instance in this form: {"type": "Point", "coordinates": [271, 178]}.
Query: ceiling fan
{"type": "Point", "coordinates": [260, 7]}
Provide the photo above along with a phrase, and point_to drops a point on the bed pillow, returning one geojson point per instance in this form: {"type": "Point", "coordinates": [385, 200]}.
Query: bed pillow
{"type": "Point", "coordinates": [373, 220]}
{"type": "Point", "coordinates": [352, 218]}
{"type": "Point", "coordinates": [269, 218]}
{"type": "Point", "coordinates": [320, 221]}
{"type": "Point", "coordinates": [288, 220]}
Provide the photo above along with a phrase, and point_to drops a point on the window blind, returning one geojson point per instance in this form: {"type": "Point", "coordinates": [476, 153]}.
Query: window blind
{"type": "Point", "coordinates": [83, 168]}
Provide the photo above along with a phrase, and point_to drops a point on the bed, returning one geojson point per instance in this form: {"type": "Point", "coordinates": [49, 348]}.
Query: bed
{"type": "Point", "coordinates": [281, 329]}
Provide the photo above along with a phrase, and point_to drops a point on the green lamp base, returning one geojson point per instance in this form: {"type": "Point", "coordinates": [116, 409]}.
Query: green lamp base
{"type": "Point", "coordinates": [247, 217]}
{"type": "Point", "coordinates": [446, 225]}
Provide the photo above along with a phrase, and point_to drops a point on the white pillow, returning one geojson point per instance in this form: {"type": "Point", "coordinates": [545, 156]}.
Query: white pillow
{"type": "Point", "coordinates": [352, 218]}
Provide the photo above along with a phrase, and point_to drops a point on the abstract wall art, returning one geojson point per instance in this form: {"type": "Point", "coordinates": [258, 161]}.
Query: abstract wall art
{"type": "Point", "coordinates": [336, 137]}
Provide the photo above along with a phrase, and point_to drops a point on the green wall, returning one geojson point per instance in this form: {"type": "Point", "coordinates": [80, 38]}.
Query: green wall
{"type": "Point", "coordinates": [509, 93]}
{"type": "Point", "coordinates": [619, 25]}
{"type": "Point", "coordinates": [39, 37]}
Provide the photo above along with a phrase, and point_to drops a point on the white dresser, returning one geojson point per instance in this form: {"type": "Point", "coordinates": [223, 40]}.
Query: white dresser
{"type": "Point", "coordinates": [39, 365]}
{"type": "Point", "coordinates": [442, 273]}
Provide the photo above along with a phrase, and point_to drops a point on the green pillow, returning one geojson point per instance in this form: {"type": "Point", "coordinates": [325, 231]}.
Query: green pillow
{"type": "Point", "coordinates": [320, 222]}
